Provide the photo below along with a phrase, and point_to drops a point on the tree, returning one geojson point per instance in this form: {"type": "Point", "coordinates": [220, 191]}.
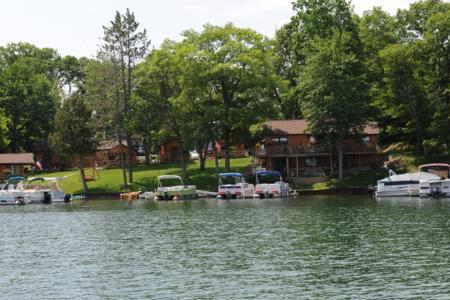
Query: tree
{"type": "Point", "coordinates": [403, 97]}
{"type": "Point", "coordinates": [29, 93]}
{"type": "Point", "coordinates": [71, 72]}
{"type": "Point", "coordinates": [334, 91]}
{"type": "Point", "coordinates": [74, 133]}
{"type": "Point", "coordinates": [157, 90]}
{"type": "Point", "coordinates": [294, 44]}
{"type": "Point", "coordinates": [229, 70]}
{"type": "Point", "coordinates": [435, 65]}
{"type": "Point", "coordinates": [125, 46]}
{"type": "Point", "coordinates": [4, 141]}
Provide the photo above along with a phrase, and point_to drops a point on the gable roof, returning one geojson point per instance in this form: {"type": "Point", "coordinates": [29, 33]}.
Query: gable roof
{"type": "Point", "coordinates": [109, 144]}
{"type": "Point", "coordinates": [17, 158]}
{"type": "Point", "coordinates": [288, 127]}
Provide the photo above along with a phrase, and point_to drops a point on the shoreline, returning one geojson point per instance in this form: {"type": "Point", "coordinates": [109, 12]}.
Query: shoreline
{"type": "Point", "coordinates": [329, 191]}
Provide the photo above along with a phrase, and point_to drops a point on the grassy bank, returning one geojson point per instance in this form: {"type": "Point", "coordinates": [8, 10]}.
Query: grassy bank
{"type": "Point", "coordinates": [145, 177]}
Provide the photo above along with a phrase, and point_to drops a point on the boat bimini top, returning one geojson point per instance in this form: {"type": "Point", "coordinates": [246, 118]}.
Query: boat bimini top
{"type": "Point", "coordinates": [408, 178]}
{"type": "Point", "coordinates": [239, 178]}
{"type": "Point", "coordinates": [268, 173]}
{"type": "Point", "coordinates": [169, 177]}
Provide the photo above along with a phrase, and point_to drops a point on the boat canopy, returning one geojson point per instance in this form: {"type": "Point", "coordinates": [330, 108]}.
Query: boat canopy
{"type": "Point", "coordinates": [36, 179]}
{"type": "Point", "coordinates": [410, 177]}
{"type": "Point", "coordinates": [169, 177]}
{"type": "Point", "coordinates": [15, 179]}
{"type": "Point", "coordinates": [46, 179]}
{"type": "Point", "coordinates": [230, 175]}
{"type": "Point", "coordinates": [434, 165]}
{"type": "Point", "coordinates": [269, 173]}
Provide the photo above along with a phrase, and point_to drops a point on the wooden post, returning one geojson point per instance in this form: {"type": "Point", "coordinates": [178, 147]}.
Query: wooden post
{"type": "Point", "coordinates": [287, 166]}
{"type": "Point", "coordinates": [296, 164]}
{"type": "Point", "coordinates": [359, 160]}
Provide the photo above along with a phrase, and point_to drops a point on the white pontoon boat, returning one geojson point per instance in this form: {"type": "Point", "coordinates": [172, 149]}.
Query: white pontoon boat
{"type": "Point", "coordinates": [233, 185]}
{"type": "Point", "coordinates": [270, 184]}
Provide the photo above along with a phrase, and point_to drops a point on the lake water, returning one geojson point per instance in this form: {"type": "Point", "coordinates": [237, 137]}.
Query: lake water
{"type": "Point", "coordinates": [315, 247]}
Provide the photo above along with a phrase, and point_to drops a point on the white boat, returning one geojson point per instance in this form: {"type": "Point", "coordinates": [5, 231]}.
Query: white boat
{"type": "Point", "coordinates": [439, 186]}
{"type": "Point", "coordinates": [19, 190]}
{"type": "Point", "coordinates": [233, 185]}
{"type": "Point", "coordinates": [174, 192]}
{"type": "Point", "coordinates": [402, 185]}
{"type": "Point", "coordinates": [270, 184]}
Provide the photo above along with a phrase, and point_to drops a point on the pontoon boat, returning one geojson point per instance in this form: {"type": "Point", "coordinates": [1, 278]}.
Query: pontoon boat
{"type": "Point", "coordinates": [165, 191]}
{"type": "Point", "coordinates": [270, 184]}
{"type": "Point", "coordinates": [233, 185]}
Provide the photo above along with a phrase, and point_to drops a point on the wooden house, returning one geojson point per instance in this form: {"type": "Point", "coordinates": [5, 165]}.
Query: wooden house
{"type": "Point", "coordinates": [170, 151]}
{"type": "Point", "coordinates": [15, 163]}
{"type": "Point", "coordinates": [107, 155]}
{"type": "Point", "coordinates": [290, 149]}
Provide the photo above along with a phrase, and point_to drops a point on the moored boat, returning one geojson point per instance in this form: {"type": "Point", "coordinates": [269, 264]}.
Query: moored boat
{"type": "Point", "coordinates": [19, 190]}
{"type": "Point", "coordinates": [233, 185]}
{"type": "Point", "coordinates": [270, 184]}
{"type": "Point", "coordinates": [439, 185]}
{"type": "Point", "coordinates": [166, 191]}
{"type": "Point", "coordinates": [402, 185]}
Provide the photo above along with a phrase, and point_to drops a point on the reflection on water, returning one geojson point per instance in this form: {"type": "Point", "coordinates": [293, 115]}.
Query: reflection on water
{"type": "Point", "coordinates": [242, 249]}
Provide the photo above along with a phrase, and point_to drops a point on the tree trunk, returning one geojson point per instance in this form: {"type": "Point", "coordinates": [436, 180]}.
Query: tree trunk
{"type": "Point", "coordinates": [226, 146]}
{"type": "Point", "coordinates": [340, 149]}
{"type": "Point", "coordinates": [82, 175]}
{"type": "Point", "coordinates": [147, 150]}
{"type": "Point", "coordinates": [216, 159]}
{"type": "Point", "coordinates": [183, 161]}
{"type": "Point", "coordinates": [129, 158]}
{"type": "Point", "coordinates": [202, 156]}
{"type": "Point", "coordinates": [122, 158]}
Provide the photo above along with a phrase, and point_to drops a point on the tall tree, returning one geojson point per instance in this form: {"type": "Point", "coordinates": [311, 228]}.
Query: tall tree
{"type": "Point", "coordinates": [403, 96]}
{"type": "Point", "coordinates": [29, 93]}
{"type": "Point", "coordinates": [4, 141]}
{"type": "Point", "coordinates": [294, 44]}
{"type": "Point", "coordinates": [125, 45]}
{"type": "Point", "coordinates": [74, 119]}
{"type": "Point", "coordinates": [334, 90]}
{"type": "Point", "coordinates": [230, 69]}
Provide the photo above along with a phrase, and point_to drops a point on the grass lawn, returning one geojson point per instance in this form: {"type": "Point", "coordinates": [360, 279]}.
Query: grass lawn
{"type": "Point", "coordinates": [145, 177]}
{"type": "Point", "coordinates": [359, 179]}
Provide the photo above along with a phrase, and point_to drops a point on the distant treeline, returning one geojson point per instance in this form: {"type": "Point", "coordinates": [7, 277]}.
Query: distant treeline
{"type": "Point", "coordinates": [328, 65]}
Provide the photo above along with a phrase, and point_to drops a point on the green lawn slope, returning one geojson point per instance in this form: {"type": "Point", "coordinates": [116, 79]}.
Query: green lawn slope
{"type": "Point", "coordinates": [145, 177]}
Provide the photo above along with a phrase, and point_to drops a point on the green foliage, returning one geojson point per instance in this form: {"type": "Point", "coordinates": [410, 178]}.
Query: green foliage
{"type": "Point", "coordinates": [334, 89]}
{"type": "Point", "coordinates": [229, 76]}
{"type": "Point", "coordinates": [294, 44]}
{"type": "Point", "coordinates": [4, 141]}
{"type": "Point", "coordinates": [28, 93]}
{"type": "Point", "coordinates": [74, 133]}
{"type": "Point", "coordinates": [403, 96]}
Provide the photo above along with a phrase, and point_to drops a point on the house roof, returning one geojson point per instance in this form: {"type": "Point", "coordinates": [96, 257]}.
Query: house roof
{"type": "Point", "coordinates": [17, 158]}
{"type": "Point", "coordinates": [109, 144]}
{"type": "Point", "coordinates": [288, 127]}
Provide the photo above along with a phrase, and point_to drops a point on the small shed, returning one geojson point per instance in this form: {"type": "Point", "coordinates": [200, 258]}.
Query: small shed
{"type": "Point", "coordinates": [14, 163]}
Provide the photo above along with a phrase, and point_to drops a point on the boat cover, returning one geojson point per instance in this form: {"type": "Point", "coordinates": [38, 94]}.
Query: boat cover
{"type": "Point", "coordinates": [410, 177]}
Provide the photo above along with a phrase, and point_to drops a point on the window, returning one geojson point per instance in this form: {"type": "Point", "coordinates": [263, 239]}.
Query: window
{"type": "Point", "coordinates": [310, 162]}
{"type": "Point", "coordinates": [280, 140]}
{"type": "Point", "coordinates": [365, 140]}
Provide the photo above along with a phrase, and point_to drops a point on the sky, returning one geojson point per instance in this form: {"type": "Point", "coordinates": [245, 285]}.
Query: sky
{"type": "Point", "coordinates": [75, 27]}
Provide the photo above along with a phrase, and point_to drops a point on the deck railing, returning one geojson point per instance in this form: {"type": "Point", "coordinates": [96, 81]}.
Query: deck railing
{"type": "Point", "coordinates": [313, 149]}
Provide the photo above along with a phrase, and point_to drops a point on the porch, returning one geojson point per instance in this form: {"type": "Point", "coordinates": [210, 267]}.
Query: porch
{"type": "Point", "coordinates": [319, 165]}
